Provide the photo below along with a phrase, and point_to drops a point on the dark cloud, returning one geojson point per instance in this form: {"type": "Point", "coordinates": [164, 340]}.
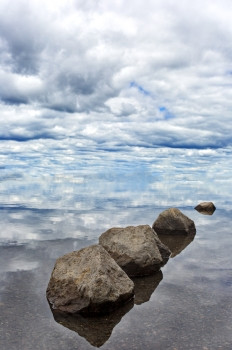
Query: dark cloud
{"type": "Point", "coordinates": [19, 138]}
{"type": "Point", "coordinates": [14, 100]}
{"type": "Point", "coordinates": [24, 33]}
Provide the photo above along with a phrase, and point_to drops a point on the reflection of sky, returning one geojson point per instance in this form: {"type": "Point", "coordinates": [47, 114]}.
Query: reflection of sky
{"type": "Point", "coordinates": [56, 193]}
{"type": "Point", "coordinates": [74, 179]}
{"type": "Point", "coordinates": [53, 202]}
{"type": "Point", "coordinates": [189, 309]}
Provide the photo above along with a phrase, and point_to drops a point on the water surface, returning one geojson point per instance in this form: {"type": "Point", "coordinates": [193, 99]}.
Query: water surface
{"type": "Point", "coordinates": [47, 211]}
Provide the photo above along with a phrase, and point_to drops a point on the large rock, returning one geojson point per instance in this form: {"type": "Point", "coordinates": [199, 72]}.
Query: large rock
{"type": "Point", "coordinates": [206, 208]}
{"type": "Point", "coordinates": [134, 248]}
{"type": "Point", "coordinates": [88, 281]}
{"type": "Point", "coordinates": [173, 221]}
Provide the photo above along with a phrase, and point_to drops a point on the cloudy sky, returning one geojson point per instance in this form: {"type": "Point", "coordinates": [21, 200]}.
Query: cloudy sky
{"type": "Point", "coordinates": [115, 98]}
{"type": "Point", "coordinates": [114, 74]}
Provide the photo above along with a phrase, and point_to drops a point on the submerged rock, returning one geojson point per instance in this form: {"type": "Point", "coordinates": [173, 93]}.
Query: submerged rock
{"type": "Point", "coordinates": [173, 221]}
{"type": "Point", "coordinates": [88, 281]}
{"type": "Point", "coordinates": [145, 287]}
{"type": "Point", "coordinates": [95, 329]}
{"type": "Point", "coordinates": [176, 243]}
{"type": "Point", "coordinates": [206, 208]}
{"type": "Point", "coordinates": [134, 248]}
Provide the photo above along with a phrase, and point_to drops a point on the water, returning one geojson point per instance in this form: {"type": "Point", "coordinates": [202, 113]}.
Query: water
{"type": "Point", "coordinates": [55, 203]}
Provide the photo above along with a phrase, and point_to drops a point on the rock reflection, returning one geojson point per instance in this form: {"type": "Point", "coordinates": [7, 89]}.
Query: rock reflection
{"type": "Point", "coordinates": [176, 243]}
{"type": "Point", "coordinates": [145, 286]}
{"type": "Point", "coordinates": [95, 329]}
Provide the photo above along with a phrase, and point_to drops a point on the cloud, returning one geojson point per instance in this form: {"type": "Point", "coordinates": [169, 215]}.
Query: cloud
{"type": "Point", "coordinates": [154, 75]}
{"type": "Point", "coordinates": [84, 176]}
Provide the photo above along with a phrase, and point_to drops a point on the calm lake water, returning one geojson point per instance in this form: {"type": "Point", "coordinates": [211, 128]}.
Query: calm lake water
{"type": "Point", "coordinates": [54, 203]}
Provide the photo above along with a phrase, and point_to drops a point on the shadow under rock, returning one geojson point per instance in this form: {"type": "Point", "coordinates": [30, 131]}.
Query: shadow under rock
{"type": "Point", "coordinates": [205, 211]}
{"type": "Point", "coordinates": [95, 329]}
{"type": "Point", "coordinates": [176, 243]}
{"type": "Point", "coordinates": [145, 286]}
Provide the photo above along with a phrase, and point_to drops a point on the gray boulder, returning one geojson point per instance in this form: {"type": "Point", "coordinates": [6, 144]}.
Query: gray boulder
{"type": "Point", "coordinates": [134, 248]}
{"type": "Point", "coordinates": [88, 281]}
{"type": "Point", "coordinates": [206, 208]}
{"type": "Point", "coordinates": [173, 221]}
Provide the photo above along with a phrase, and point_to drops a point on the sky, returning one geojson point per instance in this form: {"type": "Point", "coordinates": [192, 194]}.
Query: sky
{"type": "Point", "coordinates": [147, 85]}
{"type": "Point", "coordinates": [111, 74]}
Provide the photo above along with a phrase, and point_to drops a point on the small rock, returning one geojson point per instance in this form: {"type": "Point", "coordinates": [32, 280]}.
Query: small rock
{"type": "Point", "coordinates": [173, 221]}
{"type": "Point", "coordinates": [88, 281]}
{"type": "Point", "coordinates": [134, 248]}
{"type": "Point", "coordinates": [206, 208]}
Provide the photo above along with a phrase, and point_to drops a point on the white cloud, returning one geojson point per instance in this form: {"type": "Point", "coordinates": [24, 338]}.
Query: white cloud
{"type": "Point", "coordinates": [158, 74]}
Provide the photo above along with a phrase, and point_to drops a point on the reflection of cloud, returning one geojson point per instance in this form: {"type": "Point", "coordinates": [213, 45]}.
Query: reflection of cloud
{"type": "Point", "coordinates": [182, 307]}
{"type": "Point", "coordinates": [34, 176]}
{"type": "Point", "coordinates": [22, 265]}
{"type": "Point", "coordinates": [14, 258]}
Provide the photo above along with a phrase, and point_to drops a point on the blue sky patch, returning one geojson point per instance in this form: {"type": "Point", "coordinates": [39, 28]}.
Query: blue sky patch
{"type": "Point", "coordinates": [140, 88]}
{"type": "Point", "coordinates": [167, 115]}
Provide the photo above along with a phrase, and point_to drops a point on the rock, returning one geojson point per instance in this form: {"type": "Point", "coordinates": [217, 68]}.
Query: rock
{"type": "Point", "coordinates": [206, 208]}
{"type": "Point", "coordinates": [95, 329]}
{"type": "Point", "coordinates": [176, 243]}
{"type": "Point", "coordinates": [88, 281]}
{"type": "Point", "coordinates": [134, 248]}
{"type": "Point", "coordinates": [173, 221]}
{"type": "Point", "coordinates": [145, 286]}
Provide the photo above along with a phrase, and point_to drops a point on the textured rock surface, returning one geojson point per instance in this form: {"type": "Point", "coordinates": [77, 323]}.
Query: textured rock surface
{"type": "Point", "coordinates": [134, 248]}
{"type": "Point", "coordinates": [206, 208]}
{"type": "Point", "coordinates": [88, 281]}
{"type": "Point", "coordinates": [173, 221]}
{"type": "Point", "coordinates": [95, 329]}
